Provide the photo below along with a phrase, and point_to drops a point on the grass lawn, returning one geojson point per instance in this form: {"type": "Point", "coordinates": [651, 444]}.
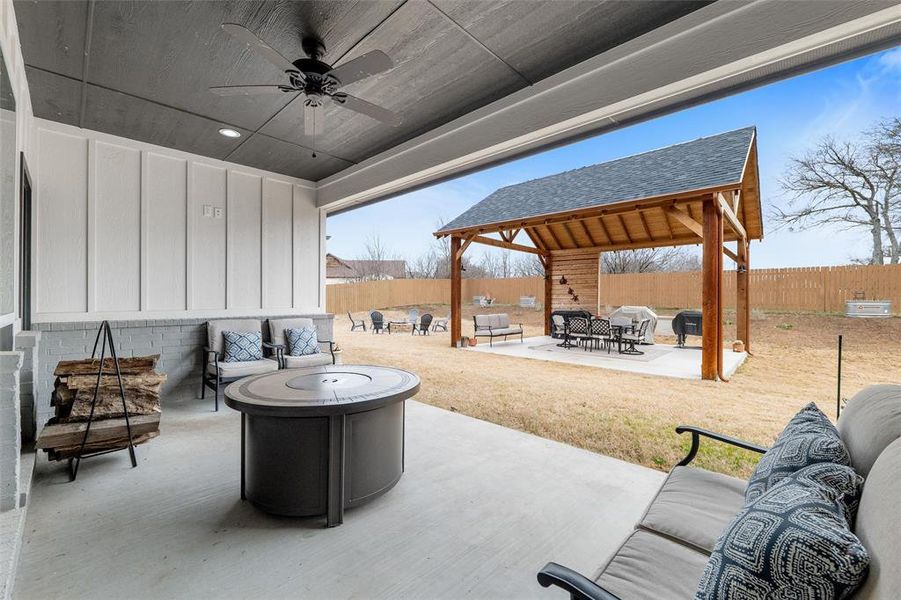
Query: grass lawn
{"type": "Point", "coordinates": [632, 416]}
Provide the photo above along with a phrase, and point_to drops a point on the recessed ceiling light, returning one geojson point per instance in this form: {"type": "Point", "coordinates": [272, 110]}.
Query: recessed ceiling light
{"type": "Point", "coordinates": [229, 133]}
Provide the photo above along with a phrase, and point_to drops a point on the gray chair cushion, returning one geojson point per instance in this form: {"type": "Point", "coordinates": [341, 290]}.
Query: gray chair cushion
{"type": "Point", "coordinates": [309, 360]}
{"type": "Point", "coordinates": [496, 332]}
{"type": "Point", "coordinates": [502, 320]}
{"type": "Point", "coordinates": [483, 321]}
{"type": "Point", "coordinates": [809, 438]}
{"type": "Point", "coordinates": [244, 368]}
{"type": "Point", "coordinates": [651, 567]}
{"type": "Point", "coordinates": [277, 328]}
{"type": "Point", "coordinates": [869, 423]}
{"type": "Point", "coordinates": [794, 541]}
{"type": "Point", "coordinates": [215, 328]}
{"type": "Point", "coordinates": [879, 526]}
{"type": "Point", "coordinates": [694, 506]}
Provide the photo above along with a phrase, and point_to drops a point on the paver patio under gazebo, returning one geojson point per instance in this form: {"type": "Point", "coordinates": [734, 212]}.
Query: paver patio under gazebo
{"type": "Point", "coordinates": [704, 191]}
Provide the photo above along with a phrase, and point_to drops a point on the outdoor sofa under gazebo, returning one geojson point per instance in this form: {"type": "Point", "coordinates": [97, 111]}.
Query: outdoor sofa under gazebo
{"type": "Point", "coordinates": [705, 191]}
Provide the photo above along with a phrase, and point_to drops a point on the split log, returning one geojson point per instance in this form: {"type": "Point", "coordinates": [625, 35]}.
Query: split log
{"type": "Point", "coordinates": [61, 435]}
{"type": "Point", "coordinates": [117, 444]}
{"type": "Point", "coordinates": [131, 365]}
{"type": "Point", "coordinates": [74, 396]}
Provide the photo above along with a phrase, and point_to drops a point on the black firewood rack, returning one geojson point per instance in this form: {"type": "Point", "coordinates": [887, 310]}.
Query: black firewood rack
{"type": "Point", "coordinates": [105, 340]}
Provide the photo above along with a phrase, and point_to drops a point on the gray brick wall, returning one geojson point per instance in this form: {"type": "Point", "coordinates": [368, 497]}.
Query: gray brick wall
{"type": "Point", "coordinates": [177, 341]}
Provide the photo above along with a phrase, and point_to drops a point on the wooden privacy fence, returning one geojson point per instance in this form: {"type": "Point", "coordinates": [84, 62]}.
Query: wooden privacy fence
{"type": "Point", "coordinates": [366, 295]}
{"type": "Point", "coordinates": [803, 289]}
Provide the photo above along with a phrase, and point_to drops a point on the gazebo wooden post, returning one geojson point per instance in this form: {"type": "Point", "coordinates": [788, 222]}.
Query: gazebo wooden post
{"type": "Point", "coordinates": [456, 266]}
{"type": "Point", "coordinates": [742, 290]}
{"type": "Point", "coordinates": [548, 292]}
{"type": "Point", "coordinates": [711, 345]}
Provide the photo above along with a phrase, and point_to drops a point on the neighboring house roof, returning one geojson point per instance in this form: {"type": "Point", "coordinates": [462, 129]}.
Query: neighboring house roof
{"type": "Point", "coordinates": [703, 163]}
{"type": "Point", "coordinates": [339, 268]}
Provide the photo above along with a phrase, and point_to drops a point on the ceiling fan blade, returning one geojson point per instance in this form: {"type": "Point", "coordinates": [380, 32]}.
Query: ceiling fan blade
{"type": "Point", "coordinates": [361, 67]}
{"type": "Point", "coordinates": [254, 43]}
{"type": "Point", "coordinates": [245, 90]}
{"type": "Point", "coordinates": [313, 120]}
{"type": "Point", "coordinates": [368, 108]}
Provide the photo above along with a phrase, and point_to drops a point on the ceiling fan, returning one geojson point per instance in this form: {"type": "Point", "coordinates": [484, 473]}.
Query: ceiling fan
{"type": "Point", "coordinates": [318, 81]}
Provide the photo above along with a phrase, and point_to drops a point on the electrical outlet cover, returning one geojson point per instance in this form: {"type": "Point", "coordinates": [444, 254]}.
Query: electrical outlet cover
{"type": "Point", "coordinates": [207, 210]}
{"type": "Point", "coordinates": [218, 212]}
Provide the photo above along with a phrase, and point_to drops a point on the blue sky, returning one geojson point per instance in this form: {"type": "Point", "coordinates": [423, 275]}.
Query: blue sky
{"type": "Point", "coordinates": [790, 117]}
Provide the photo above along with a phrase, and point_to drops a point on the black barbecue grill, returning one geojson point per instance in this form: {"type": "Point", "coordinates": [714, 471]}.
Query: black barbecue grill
{"type": "Point", "coordinates": [687, 322]}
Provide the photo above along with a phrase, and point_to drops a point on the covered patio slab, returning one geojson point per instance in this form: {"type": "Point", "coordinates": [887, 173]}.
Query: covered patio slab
{"type": "Point", "coordinates": [478, 511]}
{"type": "Point", "coordinates": [658, 359]}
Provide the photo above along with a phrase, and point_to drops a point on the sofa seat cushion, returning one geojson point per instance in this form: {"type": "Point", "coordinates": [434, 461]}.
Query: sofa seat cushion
{"type": "Point", "coordinates": [309, 360]}
{"type": "Point", "coordinates": [694, 506]}
{"type": "Point", "coordinates": [809, 438]}
{"type": "Point", "coordinates": [496, 332]}
{"type": "Point", "coordinates": [244, 368]}
{"type": "Point", "coordinates": [650, 567]}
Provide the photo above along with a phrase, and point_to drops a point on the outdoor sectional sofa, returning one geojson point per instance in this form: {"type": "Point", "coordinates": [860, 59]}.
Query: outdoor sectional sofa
{"type": "Point", "coordinates": [666, 554]}
{"type": "Point", "coordinates": [492, 326]}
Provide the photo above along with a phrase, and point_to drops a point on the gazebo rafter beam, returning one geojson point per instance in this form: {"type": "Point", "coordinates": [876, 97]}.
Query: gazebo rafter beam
{"type": "Point", "coordinates": [480, 239]}
{"type": "Point", "coordinates": [730, 217]}
{"type": "Point", "coordinates": [644, 225]}
{"type": "Point", "coordinates": [569, 234]}
{"type": "Point", "coordinates": [622, 224]}
{"type": "Point", "coordinates": [669, 228]}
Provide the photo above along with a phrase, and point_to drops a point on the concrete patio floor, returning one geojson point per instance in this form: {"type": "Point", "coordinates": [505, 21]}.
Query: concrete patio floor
{"type": "Point", "coordinates": [658, 359]}
{"type": "Point", "coordinates": [479, 510]}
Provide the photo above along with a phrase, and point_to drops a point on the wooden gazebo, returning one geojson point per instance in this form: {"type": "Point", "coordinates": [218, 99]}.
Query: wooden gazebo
{"type": "Point", "coordinates": [703, 191]}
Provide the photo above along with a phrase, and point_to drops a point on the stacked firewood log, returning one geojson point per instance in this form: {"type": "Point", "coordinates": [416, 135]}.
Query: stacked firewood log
{"type": "Point", "coordinates": [73, 394]}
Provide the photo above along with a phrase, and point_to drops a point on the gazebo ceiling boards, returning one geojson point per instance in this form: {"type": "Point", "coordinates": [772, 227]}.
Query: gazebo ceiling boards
{"type": "Point", "coordinates": [705, 191]}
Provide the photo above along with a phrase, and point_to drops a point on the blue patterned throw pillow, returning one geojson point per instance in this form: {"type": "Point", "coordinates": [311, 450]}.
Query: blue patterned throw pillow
{"type": "Point", "coordinates": [242, 346]}
{"type": "Point", "coordinates": [809, 438]}
{"type": "Point", "coordinates": [302, 342]}
{"type": "Point", "coordinates": [794, 541]}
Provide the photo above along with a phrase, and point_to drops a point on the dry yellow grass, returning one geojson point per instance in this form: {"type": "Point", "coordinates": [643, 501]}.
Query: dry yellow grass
{"type": "Point", "coordinates": [632, 416]}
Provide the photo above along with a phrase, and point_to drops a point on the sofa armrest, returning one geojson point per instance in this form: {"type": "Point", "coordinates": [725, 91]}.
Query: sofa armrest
{"type": "Point", "coordinates": [578, 586]}
{"type": "Point", "coordinates": [697, 432]}
{"type": "Point", "coordinates": [278, 350]}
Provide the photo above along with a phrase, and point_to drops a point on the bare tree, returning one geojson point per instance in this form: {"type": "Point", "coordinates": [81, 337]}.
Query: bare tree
{"type": "Point", "coordinates": [646, 260]}
{"type": "Point", "coordinates": [372, 264]}
{"type": "Point", "coordinates": [855, 184]}
{"type": "Point", "coordinates": [527, 265]}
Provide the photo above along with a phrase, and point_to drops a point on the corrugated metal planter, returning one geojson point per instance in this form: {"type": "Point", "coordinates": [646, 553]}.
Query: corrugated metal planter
{"type": "Point", "coordinates": [871, 309]}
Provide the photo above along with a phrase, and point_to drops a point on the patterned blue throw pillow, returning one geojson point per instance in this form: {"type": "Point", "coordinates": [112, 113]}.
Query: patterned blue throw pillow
{"type": "Point", "coordinates": [242, 346]}
{"type": "Point", "coordinates": [302, 342]}
{"type": "Point", "coordinates": [794, 541]}
{"type": "Point", "coordinates": [809, 438]}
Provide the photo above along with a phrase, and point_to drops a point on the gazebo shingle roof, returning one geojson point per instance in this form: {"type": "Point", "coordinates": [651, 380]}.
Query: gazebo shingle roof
{"type": "Point", "coordinates": [702, 163]}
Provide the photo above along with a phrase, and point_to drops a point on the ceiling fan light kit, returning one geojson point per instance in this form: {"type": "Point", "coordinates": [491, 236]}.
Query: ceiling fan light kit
{"type": "Point", "coordinates": [318, 81]}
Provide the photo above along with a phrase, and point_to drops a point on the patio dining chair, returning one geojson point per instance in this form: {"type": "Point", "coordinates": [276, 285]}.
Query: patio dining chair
{"type": "Point", "coordinates": [440, 324]}
{"type": "Point", "coordinates": [423, 326]}
{"type": "Point", "coordinates": [600, 333]}
{"type": "Point", "coordinates": [354, 325]}
{"type": "Point", "coordinates": [559, 328]}
{"type": "Point", "coordinates": [579, 330]}
{"type": "Point", "coordinates": [413, 316]}
{"type": "Point", "coordinates": [631, 339]}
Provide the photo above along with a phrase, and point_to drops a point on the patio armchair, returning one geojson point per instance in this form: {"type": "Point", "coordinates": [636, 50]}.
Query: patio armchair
{"type": "Point", "coordinates": [666, 553]}
{"type": "Point", "coordinates": [216, 372]}
{"type": "Point", "coordinates": [378, 322]}
{"type": "Point", "coordinates": [580, 330]}
{"type": "Point", "coordinates": [277, 328]}
{"type": "Point", "coordinates": [600, 333]}
{"type": "Point", "coordinates": [423, 326]}
{"type": "Point", "coordinates": [440, 324]}
{"type": "Point", "coordinates": [638, 337]}
{"type": "Point", "coordinates": [492, 326]}
{"type": "Point", "coordinates": [354, 325]}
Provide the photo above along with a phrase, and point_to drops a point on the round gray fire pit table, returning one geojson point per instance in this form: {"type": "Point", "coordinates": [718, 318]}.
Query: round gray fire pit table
{"type": "Point", "coordinates": [318, 440]}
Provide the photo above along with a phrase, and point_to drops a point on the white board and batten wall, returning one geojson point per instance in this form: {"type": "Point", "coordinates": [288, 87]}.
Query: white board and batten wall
{"type": "Point", "coordinates": [127, 230]}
